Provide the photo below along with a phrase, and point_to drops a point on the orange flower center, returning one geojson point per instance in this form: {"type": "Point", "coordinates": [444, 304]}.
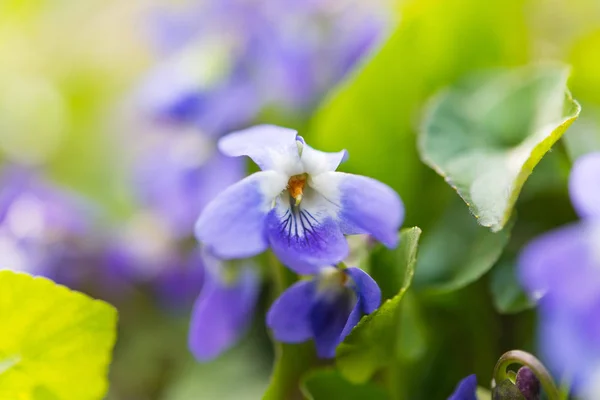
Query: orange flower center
{"type": "Point", "coordinates": [296, 187]}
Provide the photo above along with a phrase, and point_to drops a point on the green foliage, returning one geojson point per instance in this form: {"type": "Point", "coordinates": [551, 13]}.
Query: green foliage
{"type": "Point", "coordinates": [487, 133]}
{"type": "Point", "coordinates": [373, 115]}
{"type": "Point", "coordinates": [372, 343]}
{"type": "Point", "coordinates": [292, 361]}
{"type": "Point", "coordinates": [55, 343]}
{"type": "Point", "coordinates": [327, 384]}
{"type": "Point", "coordinates": [457, 251]}
{"type": "Point", "coordinates": [507, 294]}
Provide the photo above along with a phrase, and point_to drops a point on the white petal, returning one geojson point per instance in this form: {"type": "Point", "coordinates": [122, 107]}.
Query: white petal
{"type": "Point", "coordinates": [270, 147]}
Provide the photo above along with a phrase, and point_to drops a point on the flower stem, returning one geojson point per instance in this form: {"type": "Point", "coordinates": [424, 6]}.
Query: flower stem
{"type": "Point", "coordinates": [524, 358]}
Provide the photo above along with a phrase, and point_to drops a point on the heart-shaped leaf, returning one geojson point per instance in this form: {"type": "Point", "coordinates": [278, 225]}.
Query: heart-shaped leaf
{"type": "Point", "coordinates": [55, 343]}
{"type": "Point", "coordinates": [486, 134]}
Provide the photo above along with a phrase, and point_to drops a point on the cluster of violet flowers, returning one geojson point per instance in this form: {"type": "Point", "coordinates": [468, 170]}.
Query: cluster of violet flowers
{"type": "Point", "coordinates": [224, 65]}
{"type": "Point", "coordinates": [301, 208]}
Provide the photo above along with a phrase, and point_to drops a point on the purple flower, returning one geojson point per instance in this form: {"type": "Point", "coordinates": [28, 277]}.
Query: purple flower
{"type": "Point", "coordinates": [466, 389]}
{"type": "Point", "coordinates": [325, 308]}
{"type": "Point", "coordinates": [180, 175]}
{"type": "Point", "coordinates": [144, 251]}
{"type": "Point", "coordinates": [561, 270]}
{"type": "Point", "coordinates": [297, 204]}
{"type": "Point", "coordinates": [225, 307]}
{"type": "Point", "coordinates": [227, 60]}
{"type": "Point", "coordinates": [42, 228]}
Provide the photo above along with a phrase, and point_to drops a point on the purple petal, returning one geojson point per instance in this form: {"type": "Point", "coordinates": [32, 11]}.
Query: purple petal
{"type": "Point", "coordinates": [230, 107]}
{"type": "Point", "coordinates": [267, 145]}
{"type": "Point", "coordinates": [233, 224]}
{"type": "Point", "coordinates": [288, 317]}
{"type": "Point", "coordinates": [179, 190]}
{"type": "Point", "coordinates": [366, 205]}
{"type": "Point", "coordinates": [366, 289]}
{"type": "Point", "coordinates": [222, 313]}
{"type": "Point", "coordinates": [569, 342]}
{"type": "Point", "coordinates": [353, 319]}
{"type": "Point", "coordinates": [466, 389]}
{"type": "Point", "coordinates": [328, 318]}
{"type": "Point", "coordinates": [178, 285]}
{"type": "Point", "coordinates": [562, 265]}
{"type": "Point", "coordinates": [584, 185]}
{"type": "Point", "coordinates": [303, 243]}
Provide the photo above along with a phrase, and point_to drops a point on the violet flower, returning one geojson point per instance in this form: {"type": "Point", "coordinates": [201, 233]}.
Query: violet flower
{"type": "Point", "coordinates": [466, 389]}
{"type": "Point", "coordinates": [561, 270]}
{"type": "Point", "coordinates": [180, 174]}
{"type": "Point", "coordinates": [225, 307]}
{"type": "Point", "coordinates": [145, 252]}
{"type": "Point", "coordinates": [225, 61]}
{"type": "Point", "coordinates": [41, 229]}
{"type": "Point", "coordinates": [298, 205]}
{"type": "Point", "coordinates": [325, 308]}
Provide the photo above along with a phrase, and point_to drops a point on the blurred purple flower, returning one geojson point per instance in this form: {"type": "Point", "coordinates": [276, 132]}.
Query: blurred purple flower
{"type": "Point", "coordinates": [180, 175]}
{"type": "Point", "coordinates": [226, 60]}
{"type": "Point", "coordinates": [297, 204]}
{"type": "Point", "coordinates": [561, 270]}
{"type": "Point", "coordinates": [466, 389]}
{"type": "Point", "coordinates": [44, 230]}
{"type": "Point", "coordinates": [325, 308]}
{"type": "Point", "coordinates": [225, 307]}
{"type": "Point", "coordinates": [145, 252]}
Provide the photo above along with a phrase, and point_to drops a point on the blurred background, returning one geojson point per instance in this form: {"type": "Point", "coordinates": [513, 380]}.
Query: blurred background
{"type": "Point", "coordinates": [109, 115]}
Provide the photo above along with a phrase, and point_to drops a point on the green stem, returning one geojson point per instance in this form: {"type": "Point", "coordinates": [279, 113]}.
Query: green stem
{"type": "Point", "coordinates": [524, 358]}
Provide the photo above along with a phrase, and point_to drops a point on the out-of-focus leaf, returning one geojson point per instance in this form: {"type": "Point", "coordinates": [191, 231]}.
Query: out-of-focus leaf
{"type": "Point", "coordinates": [450, 261]}
{"type": "Point", "coordinates": [372, 343]}
{"type": "Point", "coordinates": [483, 394]}
{"type": "Point", "coordinates": [292, 361]}
{"type": "Point", "coordinates": [412, 336]}
{"type": "Point", "coordinates": [584, 136]}
{"type": "Point", "coordinates": [54, 343]}
{"type": "Point", "coordinates": [507, 294]}
{"type": "Point", "coordinates": [487, 133]}
{"type": "Point", "coordinates": [327, 384]}
{"type": "Point", "coordinates": [239, 374]}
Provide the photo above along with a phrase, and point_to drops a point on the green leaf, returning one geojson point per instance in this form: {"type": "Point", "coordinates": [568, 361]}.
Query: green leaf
{"type": "Point", "coordinates": [326, 384]}
{"type": "Point", "coordinates": [54, 343]}
{"type": "Point", "coordinates": [373, 114]}
{"type": "Point", "coordinates": [372, 343]}
{"type": "Point", "coordinates": [584, 136]}
{"type": "Point", "coordinates": [449, 261]}
{"type": "Point", "coordinates": [507, 294]}
{"type": "Point", "coordinates": [390, 268]}
{"type": "Point", "coordinates": [245, 364]}
{"type": "Point", "coordinates": [487, 133]}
